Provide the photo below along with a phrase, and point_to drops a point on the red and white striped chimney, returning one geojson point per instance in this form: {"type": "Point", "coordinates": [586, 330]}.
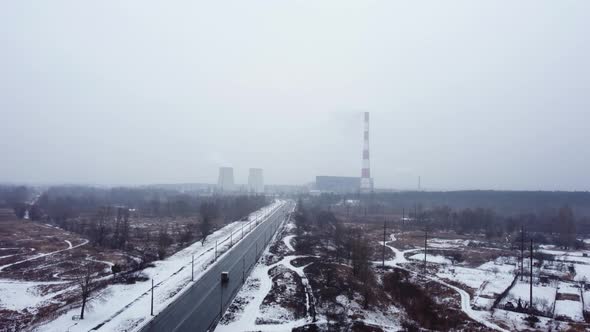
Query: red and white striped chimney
{"type": "Point", "coordinates": [366, 182]}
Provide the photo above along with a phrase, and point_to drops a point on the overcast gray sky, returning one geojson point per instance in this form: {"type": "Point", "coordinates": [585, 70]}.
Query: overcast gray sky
{"type": "Point", "coordinates": [467, 94]}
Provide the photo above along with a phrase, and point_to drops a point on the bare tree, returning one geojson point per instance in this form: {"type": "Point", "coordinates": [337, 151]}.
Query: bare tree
{"type": "Point", "coordinates": [86, 281]}
{"type": "Point", "coordinates": [208, 211]}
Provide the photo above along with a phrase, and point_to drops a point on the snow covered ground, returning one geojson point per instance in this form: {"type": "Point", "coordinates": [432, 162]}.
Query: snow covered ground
{"type": "Point", "coordinates": [489, 280]}
{"type": "Point", "coordinates": [483, 317]}
{"type": "Point", "coordinates": [543, 295]}
{"type": "Point", "coordinates": [21, 295]}
{"type": "Point", "coordinates": [125, 307]}
{"type": "Point", "coordinates": [431, 258]}
{"type": "Point", "coordinates": [570, 304]}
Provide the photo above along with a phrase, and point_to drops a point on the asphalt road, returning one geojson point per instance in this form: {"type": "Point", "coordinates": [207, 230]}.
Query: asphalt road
{"type": "Point", "coordinates": [202, 305]}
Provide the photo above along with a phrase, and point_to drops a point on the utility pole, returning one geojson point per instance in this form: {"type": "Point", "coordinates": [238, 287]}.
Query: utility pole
{"type": "Point", "coordinates": [521, 253]}
{"type": "Point", "coordinates": [425, 246]}
{"type": "Point", "coordinates": [231, 239]}
{"type": "Point", "coordinates": [193, 269]}
{"type": "Point", "coordinates": [531, 282]}
{"type": "Point", "coordinates": [403, 214]}
{"type": "Point", "coordinates": [215, 249]}
{"type": "Point", "coordinates": [152, 305]}
{"type": "Point", "coordinates": [384, 227]}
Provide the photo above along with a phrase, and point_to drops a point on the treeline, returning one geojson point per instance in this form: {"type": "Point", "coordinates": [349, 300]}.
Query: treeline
{"type": "Point", "coordinates": [560, 229]}
{"type": "Point", "coordinates": [13, 195]}
{"type": "Point", "coordinates": [16, 198]}
{"type": "Point", "coordinates": [64, 202]}
{"type": "Point", "coordinates": [120, 227]}
{"type": "Point", "coordinates": [505, 203]}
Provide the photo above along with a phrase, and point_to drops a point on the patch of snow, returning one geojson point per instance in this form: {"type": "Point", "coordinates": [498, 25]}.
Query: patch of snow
{"type": "Point", "coordinates": [543, 295]}
{"type": "Point", "coordinates": [19, 295]}
{"type": "Point", "coordinates": [287, 240]}
{"type": "Point", "coordinates": [571, 309]}
{"type": "Point", "coordinates": [431, 258]}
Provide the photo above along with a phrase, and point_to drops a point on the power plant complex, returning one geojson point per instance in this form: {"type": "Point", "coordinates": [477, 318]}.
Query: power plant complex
{"type": "Point", "coordinates": [346, 184]}
{"type": "Point", "coordinates": [331, 184]}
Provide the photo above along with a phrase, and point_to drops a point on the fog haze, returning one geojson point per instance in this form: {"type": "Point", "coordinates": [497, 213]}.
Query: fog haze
{"type": "Point", "coordinates": [465, 94]}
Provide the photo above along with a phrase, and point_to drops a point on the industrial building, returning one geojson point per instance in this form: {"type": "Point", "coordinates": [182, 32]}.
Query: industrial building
{"type": "Point", "coordinates": [255, 181]}
{"type": "Point", "coordinates": [337, 184]}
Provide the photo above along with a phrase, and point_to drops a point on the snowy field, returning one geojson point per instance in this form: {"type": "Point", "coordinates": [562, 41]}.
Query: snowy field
{"type": "Point", "coordinates": [431, 258]}
{"type": "Point", "coordinates": [570, 305]}
{"type": "Point", "coordinates": [488, 280]}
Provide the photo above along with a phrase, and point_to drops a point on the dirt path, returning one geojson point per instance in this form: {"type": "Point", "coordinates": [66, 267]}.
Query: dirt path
{"type": "Point", "coordinates": [465, 298]}
{"type": "Point", "coordinates": [251, 309]}
{"type": "Point", "coordinates": [287, 241]}
{"type": "Point", "coordinates": [70, 247]}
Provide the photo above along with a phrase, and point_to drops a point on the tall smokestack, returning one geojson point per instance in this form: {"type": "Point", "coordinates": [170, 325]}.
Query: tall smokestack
{"type": "Point", "coordinates": [366, 182]}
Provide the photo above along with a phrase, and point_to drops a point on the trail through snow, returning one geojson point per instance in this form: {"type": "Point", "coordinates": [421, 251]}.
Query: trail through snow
{"type": "Point", "coordinates": [247, 318]}
{"type": "Point", "coordinates": [465, 298]}
{"type": "Point", "coordinates": [70, 247]}
{"type": "Point", "coordinates": [287, 241]}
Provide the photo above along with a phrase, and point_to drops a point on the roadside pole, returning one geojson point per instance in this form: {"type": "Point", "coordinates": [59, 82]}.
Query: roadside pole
{"type": "Point", "coordinates": [521, 252]}
{"type": "Point", "coordinates": [221, 301]}
{"type": "Point", "coordinates": [215, 250]}
{"type": "Point", "coordinates": [531, 282]}
{"type": "Point", "coordinates": [425, 247]}
{"type": "Point", "coordinates": [152, 305]}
